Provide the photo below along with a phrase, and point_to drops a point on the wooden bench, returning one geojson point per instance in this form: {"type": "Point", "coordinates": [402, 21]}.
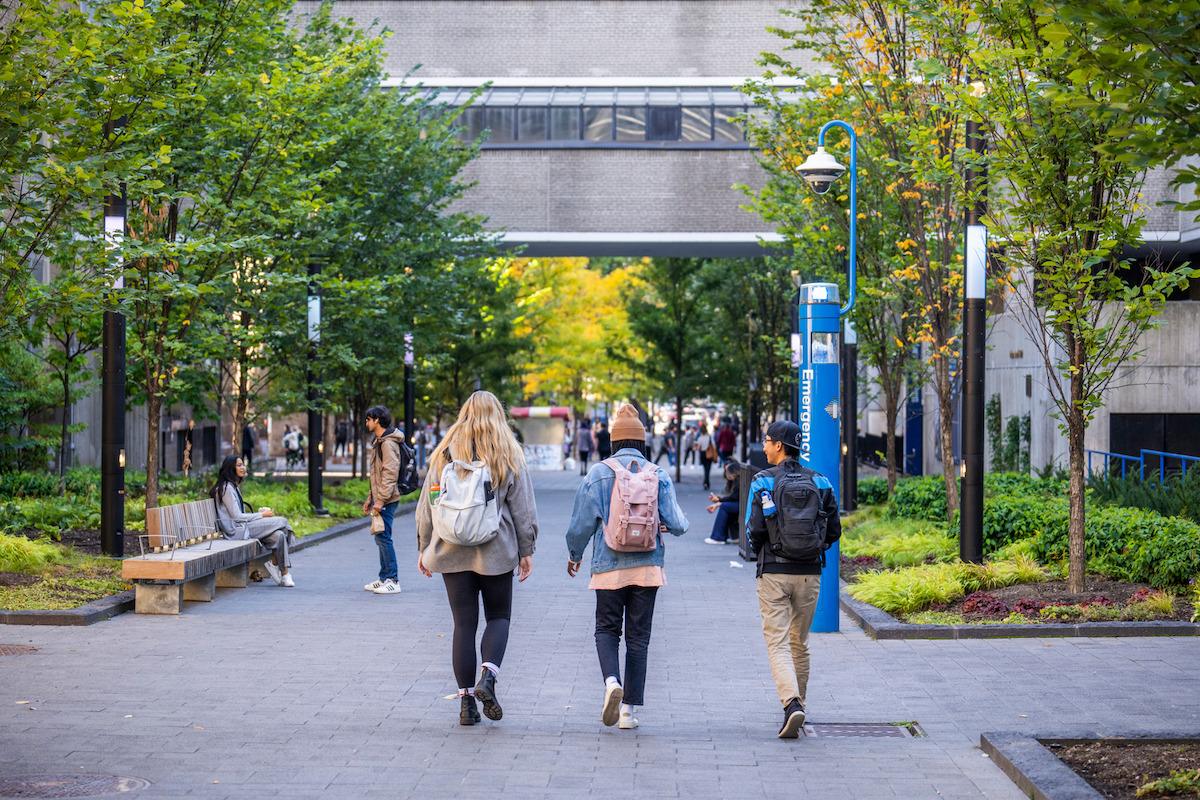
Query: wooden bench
{"type": "Point", "coordinates": [183, 558]}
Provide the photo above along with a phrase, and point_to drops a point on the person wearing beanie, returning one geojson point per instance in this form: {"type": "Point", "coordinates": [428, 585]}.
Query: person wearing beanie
{"type": "Point", "coordinates": [626, 583]}
{"type": "Point", "coordinates": [791, 519]}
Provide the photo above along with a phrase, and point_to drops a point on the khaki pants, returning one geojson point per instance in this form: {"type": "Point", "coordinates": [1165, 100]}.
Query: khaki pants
{"type": "Point", "coordinates": [787, 603]}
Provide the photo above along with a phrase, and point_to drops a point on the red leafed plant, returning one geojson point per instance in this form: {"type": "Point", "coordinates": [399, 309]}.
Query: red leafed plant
{"type": "Point", "coordinates": [1027, 606]}
{"type": "Point", "coordinates": [981, 603]}
{"type": "Point", "coordinates": [1097, 600]}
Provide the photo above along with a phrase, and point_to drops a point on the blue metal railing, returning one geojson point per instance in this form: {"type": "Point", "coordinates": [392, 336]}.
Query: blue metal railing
{"type": "Point", "coordinates": [1140, 461]}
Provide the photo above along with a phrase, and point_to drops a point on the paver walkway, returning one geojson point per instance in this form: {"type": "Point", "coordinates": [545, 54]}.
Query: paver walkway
{"type": "Point", "coordinates": [328, 691]}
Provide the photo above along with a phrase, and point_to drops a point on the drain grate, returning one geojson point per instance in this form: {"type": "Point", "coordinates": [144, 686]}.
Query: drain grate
{"type": "Point", "coordinates": [16, 649]}
{"type": "Point", "coordinates": [60, 785]}
{"type": "Point", "coordinates": [862, 730]}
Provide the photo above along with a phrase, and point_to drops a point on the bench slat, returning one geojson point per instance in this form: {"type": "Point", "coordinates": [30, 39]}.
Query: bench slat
{"type": "Point", "coordinates": [189, 563]}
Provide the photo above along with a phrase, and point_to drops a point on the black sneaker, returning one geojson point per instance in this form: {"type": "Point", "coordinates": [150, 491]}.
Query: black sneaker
{"type": "Point", "coordinates": [469, 714]}
{"type": "Point", "coordinates": [793, 720]}
{"type": "Point", "coordinates": [485, 690]}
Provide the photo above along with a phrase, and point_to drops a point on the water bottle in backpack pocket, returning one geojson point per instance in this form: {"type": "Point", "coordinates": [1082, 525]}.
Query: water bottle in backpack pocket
{"type": "Point", "coordinates": [466, 512]}
{"type": "Point", "coordinates": [796, 529]}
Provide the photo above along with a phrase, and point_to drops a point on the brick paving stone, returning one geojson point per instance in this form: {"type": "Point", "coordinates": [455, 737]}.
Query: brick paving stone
{"type": "Point", "coordinates": [328, 691]}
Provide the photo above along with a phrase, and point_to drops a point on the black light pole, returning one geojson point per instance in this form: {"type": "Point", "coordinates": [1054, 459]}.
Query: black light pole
{"type": "Point", "coordinates": [112, 391]}
{"type": "Point", "coordinates": [316, 445]}
{"type": "Point", "coordinates": [970, 542]}
{"type": "Point", "coordinates": [849, 418]}
{"type": "Point", "coordinates": [410, 400]}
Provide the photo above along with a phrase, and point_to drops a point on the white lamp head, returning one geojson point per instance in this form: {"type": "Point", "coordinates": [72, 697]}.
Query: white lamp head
{"type": "Point", "coordinates": [821, 170]}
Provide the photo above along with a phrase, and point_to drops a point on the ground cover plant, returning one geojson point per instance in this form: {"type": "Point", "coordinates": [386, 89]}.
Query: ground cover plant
{"type": "Point", "coordinates": [902, 558]}
{"type": "Point", "coordinates": [40, 574]}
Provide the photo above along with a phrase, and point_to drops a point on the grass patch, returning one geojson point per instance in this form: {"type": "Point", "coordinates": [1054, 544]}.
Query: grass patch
{"type": "Point", "coordinates": [895, 542]}
{"type": "Point", "coordinates": [65, 579]}
{"type": "Point", "coordinates": [907, 590]}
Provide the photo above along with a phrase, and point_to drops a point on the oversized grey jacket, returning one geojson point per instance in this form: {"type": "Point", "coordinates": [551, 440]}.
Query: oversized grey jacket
{"type": "Point", "coordinates": [517, 537]}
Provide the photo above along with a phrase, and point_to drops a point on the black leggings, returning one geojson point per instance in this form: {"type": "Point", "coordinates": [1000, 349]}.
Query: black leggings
{"type": "Point", "coordinates": [463, 589]}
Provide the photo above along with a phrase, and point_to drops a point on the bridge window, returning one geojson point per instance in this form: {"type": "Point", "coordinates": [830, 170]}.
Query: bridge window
{"type": "Point", "coordinates": [589, 117]}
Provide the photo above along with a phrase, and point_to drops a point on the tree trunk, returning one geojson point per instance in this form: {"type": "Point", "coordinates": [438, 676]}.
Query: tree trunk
{"type": "Point", "coordinates": [890, 410]}
{"type": "Point", "coordinates": [64, 456]}
{"type": "Point", "coordinates": [154, 423]}
{"type": "Point", "coordinates": [945, 395]}
{"type": "Point", "coordinates": [1077, 552]}
{"type": "Point", "coordinates": [678, 440]}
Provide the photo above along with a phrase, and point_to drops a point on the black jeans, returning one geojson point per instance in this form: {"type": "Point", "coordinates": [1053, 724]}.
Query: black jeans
{"type": "Point", "coordinates": [464, 590]}
{"type": "Point", "coordinates": [634, 604]}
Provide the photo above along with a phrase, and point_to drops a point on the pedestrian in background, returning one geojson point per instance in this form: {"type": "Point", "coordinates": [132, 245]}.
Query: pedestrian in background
{"type": "Point", "coordinates": [603, 441]}
{"type": "Point", "coordinates": [626, 583]}
{"type": "Point", "coordinates": [791, 519]}
{"type": "Point", "coordinates": [726, 506]}
{"type": "Point", "coordinates": [707, 449]}
{"type": "Point", "coordinates": [383, 476]}
{"type": "Point", "coordinates": [584, 444]}
{"type": "Point", "coordinates": [726, 442]}
{"type": "Point", "coordinates": [472, 572]}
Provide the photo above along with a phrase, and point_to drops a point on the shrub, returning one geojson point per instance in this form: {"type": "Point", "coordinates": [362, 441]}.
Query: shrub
{"type": "Point", "coordinates": [919, 498]}
{"type": "Point", "coordinates": [18, 554]}
{"type": "Point", "coordinates": [896, 542]}
{"type": "Point", "coordinates": [872, 491]}
{"type": "Point", "coordinates": [1135, 545]}
{"type": "Point", "coordinates": [1174, 496]}
{"type": "Point", "coordinates": [1009, 518]}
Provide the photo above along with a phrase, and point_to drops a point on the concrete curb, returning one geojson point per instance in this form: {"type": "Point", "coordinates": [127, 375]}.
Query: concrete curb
{"type": "Point", "coordinates": [111, 606]}
{"type": "Point", "coordinates": [881, 625]}
{"type": "Point", "coordinates": [1038, 773]}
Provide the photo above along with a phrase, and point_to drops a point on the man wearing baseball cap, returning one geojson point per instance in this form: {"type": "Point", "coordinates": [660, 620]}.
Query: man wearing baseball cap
{"type": "Point", "coordinates": [791, 519]}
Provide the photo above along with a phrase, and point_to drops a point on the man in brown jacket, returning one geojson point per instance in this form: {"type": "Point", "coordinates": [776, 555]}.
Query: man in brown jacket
{"type": "Point", "coordinates": [383, 472]}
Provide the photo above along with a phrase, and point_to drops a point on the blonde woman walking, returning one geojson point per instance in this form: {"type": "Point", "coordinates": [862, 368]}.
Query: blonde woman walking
{"type": "Point", "coordinates": [472, 572]}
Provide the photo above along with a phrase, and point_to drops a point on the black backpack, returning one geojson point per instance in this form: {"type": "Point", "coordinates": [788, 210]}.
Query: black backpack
{"type": "Point", "coordinates": [407, 482]}
{"type": "Point", "coordinates": [796, 532]}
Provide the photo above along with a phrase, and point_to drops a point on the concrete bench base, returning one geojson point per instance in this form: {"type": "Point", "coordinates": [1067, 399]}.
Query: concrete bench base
{"type": "Point", "coordinates": [163, 581]}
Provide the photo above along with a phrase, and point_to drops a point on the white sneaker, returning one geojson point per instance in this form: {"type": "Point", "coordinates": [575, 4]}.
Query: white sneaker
{"type": "Point", "coordinates": [711, 540]}
{"type": "Point", "coordinates": [628, 721]}
{"type": "Point", "coordinates": [273, 571]}
{"type": "Point", "coordinates": [613, 694]}
{"type": "Point", "coordinates": [288, 582]}
{"type": "Point", "coordinates": [388, 587]}
{"type": "Point", "coordinates": [373, 585]}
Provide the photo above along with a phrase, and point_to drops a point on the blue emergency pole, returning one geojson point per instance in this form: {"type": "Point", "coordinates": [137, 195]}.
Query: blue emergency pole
{"type": "Point", "coordinates": [820, 384]}
{"type": "Point", "coordinates": [820, 370]}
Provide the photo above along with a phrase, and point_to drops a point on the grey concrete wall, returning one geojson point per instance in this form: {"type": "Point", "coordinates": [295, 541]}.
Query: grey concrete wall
{"type": "Point", "coordinates": [499, 38]}
{"type": "Point", "coordinates": [614, 190]}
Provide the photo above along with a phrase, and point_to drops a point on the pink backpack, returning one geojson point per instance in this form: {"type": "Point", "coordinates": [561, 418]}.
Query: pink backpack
{"type": "Point", "coordinates": [632, 524]}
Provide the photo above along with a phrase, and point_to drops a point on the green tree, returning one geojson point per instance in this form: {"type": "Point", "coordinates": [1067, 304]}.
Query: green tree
{"type": "Point", "coordinates": [1068, 211]}
{"type": "Point", "coordinates": [67, 75]}
{"type": "Point", "coordinates": [670, 316]}
{"type": "Point", "coordinates": [25, 391]}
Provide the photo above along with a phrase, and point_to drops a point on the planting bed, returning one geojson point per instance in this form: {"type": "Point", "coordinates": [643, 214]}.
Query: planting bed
{"type": "Point", "coordinates": [1117, 769]}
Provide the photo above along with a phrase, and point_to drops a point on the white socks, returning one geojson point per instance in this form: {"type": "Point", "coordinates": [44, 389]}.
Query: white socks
{"type": "Point", "coordinates": [611, 681]}
{"type": "Point", "coordinates": [470, 692]}
{"type": "Point", "coordinates": [489, 665]}
{"type": "Point", "coordinates": [626, 709]}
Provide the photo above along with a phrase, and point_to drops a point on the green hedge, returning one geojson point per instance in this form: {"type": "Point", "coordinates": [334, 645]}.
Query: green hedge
{"type": "Point", "coordinates": [1133, 544]}
{"type": "Point", "coordinates": [919, 498]}
{"type": "Point", "coordinates": [44, 484]}
{"type": "Point", "coordinates": [872, 491]}
{"type": "Point", "coordinates": [1009, 518]}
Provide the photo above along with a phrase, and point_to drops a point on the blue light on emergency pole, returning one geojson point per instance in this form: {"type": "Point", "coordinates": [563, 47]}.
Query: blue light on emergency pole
{"type": "Point", "coordinates": [819, 368]}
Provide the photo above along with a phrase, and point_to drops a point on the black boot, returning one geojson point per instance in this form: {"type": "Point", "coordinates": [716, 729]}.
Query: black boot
{"type": "Point", "coordinates": [485, 690]}
{"type": "Point", "coordinates": [470, 712]}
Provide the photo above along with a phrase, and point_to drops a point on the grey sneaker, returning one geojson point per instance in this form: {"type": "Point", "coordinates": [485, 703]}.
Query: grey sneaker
{"type": "Point", "coordinates": [288, 582]}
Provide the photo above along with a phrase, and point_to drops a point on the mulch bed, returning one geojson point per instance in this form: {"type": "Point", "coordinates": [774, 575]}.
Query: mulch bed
{"type": "Point", "coordinates": [18, 579]}
{"type": "Point", "coordinates": [1117, 769]}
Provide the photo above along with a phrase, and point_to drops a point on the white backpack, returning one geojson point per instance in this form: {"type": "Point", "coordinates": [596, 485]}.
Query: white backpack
{"type": "Point", "coordinates": [466, 512]}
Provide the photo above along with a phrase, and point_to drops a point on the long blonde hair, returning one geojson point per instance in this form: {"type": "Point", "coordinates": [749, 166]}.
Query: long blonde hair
{"type": "Point", "coordinates": [481, 433]}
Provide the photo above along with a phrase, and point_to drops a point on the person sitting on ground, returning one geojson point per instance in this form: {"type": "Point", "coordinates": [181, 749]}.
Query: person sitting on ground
{"type": "Point", "coordinates": [274, 533]}
{"type": "Point", "coordinates": [726, 506]}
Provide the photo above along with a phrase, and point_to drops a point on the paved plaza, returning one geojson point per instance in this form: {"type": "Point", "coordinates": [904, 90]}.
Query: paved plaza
{"type": "Point", "coordinates": [328, 691]}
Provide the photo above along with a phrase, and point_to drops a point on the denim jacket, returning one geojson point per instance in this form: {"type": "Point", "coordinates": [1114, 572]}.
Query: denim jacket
{"type": "Point", "coordinates": [591, 509]}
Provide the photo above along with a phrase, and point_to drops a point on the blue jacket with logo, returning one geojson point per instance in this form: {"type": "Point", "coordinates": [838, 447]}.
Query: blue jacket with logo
{"type": "Point", "coordinates": [756, 524]}
{"type": "Point", "coordinates": [591, 510]}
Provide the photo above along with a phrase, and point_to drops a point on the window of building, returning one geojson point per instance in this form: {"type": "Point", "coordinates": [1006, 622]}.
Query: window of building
{"type": "Point", "coordinates": [691, 117]}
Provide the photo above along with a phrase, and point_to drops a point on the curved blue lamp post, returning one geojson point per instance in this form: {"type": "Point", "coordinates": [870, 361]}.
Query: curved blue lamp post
{"type": "Point", "coordinates": [821, 170]}
{"type": "Point", "coordinates": [819, 375]}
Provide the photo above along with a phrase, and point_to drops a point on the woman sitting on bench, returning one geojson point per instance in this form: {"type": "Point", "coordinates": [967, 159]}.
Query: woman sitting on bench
{"type": "Point", "coordinates": [236, 522]}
